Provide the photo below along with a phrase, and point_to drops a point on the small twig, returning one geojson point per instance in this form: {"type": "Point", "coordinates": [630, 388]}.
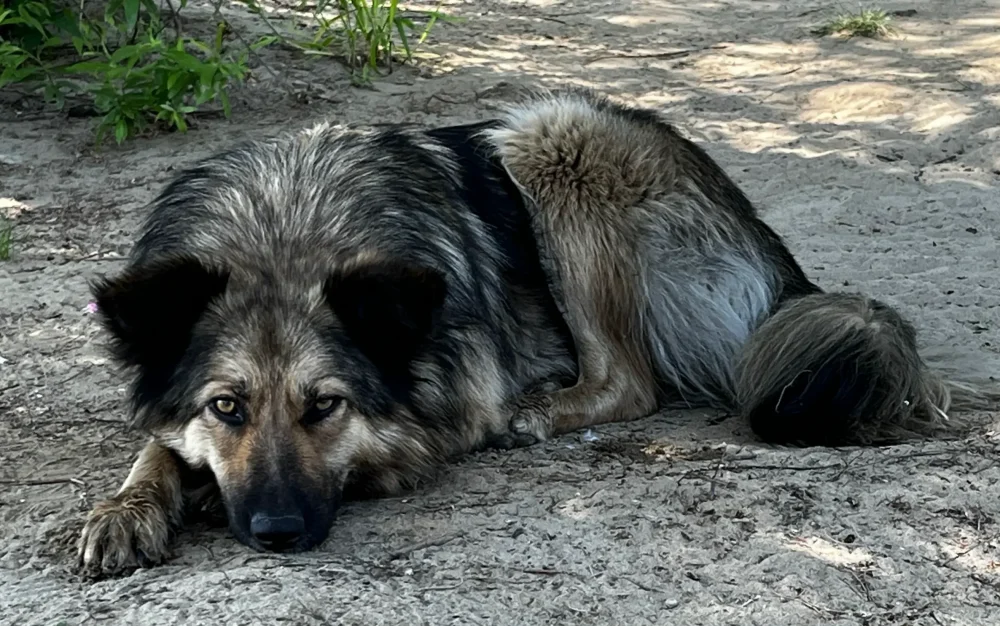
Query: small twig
{"type": "Point", "coordinates": [176, 18]}
{"type": "Point", "coordinates": [647, 55]}
{"type": "Point", "coordinates": [543, 572]}
{"type": "Point", "coordinates": [786, 468]}
{"type": "Point", "coordinates": [41, 482]}
{"type": "Point", "coordinates": [753, 76]}
{"type": "Point", "coordinates": [656, 55]}
{"type": "Point", "coordinates": [640, 585]}
{"type": "Point", "coordinates": [439, 588]}
{"type": "Point", "coordinates": [819, 610]}
{"type": "Point", "coordinates": [439, 541]}
{"type": "Point", "coordinates": [959, 555]}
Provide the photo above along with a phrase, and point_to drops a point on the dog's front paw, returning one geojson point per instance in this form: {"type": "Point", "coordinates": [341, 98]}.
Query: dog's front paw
{"type": "Point", "coordinates": [126, 532]}
{"type": "Point", "coordinates": [531, 421]}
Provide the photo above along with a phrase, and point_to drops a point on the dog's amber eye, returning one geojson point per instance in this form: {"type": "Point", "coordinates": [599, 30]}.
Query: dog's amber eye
{"type": "Point", "coordinates": [321, 409]}
{"type": "Point", "coordinates": [227, 410]}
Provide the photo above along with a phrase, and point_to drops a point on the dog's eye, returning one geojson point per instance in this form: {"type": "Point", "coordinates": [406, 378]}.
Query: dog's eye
{"type": "Point", "coordinates": [227, 410]}
{"type": "Point", "coordinates": [321, 409]}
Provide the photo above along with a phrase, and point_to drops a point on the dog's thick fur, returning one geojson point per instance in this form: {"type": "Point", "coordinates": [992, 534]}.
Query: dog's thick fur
{"type": "Point", "coordinates": [573, 263]}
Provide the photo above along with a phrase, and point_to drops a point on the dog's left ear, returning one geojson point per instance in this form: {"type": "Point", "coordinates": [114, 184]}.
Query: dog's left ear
{"type": "Point", "coordinates": [387, 309]}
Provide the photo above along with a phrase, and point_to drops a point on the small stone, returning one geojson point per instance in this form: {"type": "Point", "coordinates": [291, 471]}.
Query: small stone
{"type": "Point", "coordinates": [671, 604]}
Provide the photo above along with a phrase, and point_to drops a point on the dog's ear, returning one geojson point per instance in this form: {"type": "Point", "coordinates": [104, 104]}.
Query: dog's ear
{"type": "Point", "coordinates": [387, 309]}
{"type": "Point", "coordinates": [151, 310]}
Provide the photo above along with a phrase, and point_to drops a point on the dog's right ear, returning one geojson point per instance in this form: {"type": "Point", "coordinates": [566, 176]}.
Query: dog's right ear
{"type": "Point", "coordinates": [387, 308]}
{"type": "Point", "coordinates": [151, 310]}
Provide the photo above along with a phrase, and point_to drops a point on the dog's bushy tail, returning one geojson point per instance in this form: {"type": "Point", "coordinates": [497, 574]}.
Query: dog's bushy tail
{"type": "Point", "coordinates": [842, 369]}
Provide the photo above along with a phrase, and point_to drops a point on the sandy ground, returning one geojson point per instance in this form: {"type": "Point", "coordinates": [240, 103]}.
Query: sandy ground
{"type": "Point", "coordinates": [879, 161]}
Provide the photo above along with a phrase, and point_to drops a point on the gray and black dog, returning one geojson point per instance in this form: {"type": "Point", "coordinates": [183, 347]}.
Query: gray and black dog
{"type": "Point", "coordinates": [347, 308]}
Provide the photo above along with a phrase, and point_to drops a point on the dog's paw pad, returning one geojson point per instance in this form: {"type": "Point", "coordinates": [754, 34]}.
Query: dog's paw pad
{"type": "Point", "coordinates": [531, 420]}
{"type": "Point", "coordinates": [121, 535]}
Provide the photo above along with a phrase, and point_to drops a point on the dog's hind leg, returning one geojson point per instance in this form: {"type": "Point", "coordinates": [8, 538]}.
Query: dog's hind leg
{"type": "Point", "coordinates": [132, 529]}
{"type": "Point", "coordinates": [585, 180]}
{"type": "Point", "coordinates": [596, 291]}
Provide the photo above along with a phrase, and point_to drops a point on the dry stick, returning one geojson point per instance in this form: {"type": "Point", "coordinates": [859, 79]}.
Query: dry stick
{"type": "Point", "coordinates": [650, 55]}
{"type": "Point", "coordinates": [175, 16]}
{"type": "Point", "coordinates": [655, 55]}
{"type": "Point", "coordinates": [40, 482]}
{"type": "Point", "coordinates": [543, 572]}
{"type": "Point", "coordinates": [439, 541]}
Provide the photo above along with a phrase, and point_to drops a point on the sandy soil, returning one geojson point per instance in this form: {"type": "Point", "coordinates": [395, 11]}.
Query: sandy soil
{"type": "Point", "coordinates": [879, 161]}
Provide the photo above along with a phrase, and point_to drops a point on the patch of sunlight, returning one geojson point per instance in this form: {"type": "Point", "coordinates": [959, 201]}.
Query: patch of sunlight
{"type": "Point", "coordinates": [985, 71]}
{"type": "Point", "coordinates": [12, 209]}
{"type": "Point", "coordinates": [969, 179]}
{"type": "Point", "coordinates": [969, 46]}
{"type": "Point", "coordinates": [973, 554]}
{"type": "Point", "coordinates": [725, 67]}
{"type": "Point", "coordinates": [808, 152]}
{"type": "Point", "coordinates": [752, 137]}
{"type": "Point", "coordinates": [575, 508]}
{"type": "Point", "coordinates": [92, 360]}
{"type": "Point", "coordinates": [830, 552]}
{"type": "Point", "coordinates": [992, 21]}
{"type": "Point", "coordinates": [875, 102]}
{"type": "Point", "coordinates": [933, 118]}
{"type": "Point", "coordinates": [650, 16]}
{"type": "Point", "coordinates": [775, 49]}
{"type": "Point", "coordinates": [661, 99]}
{"type": "Point", "coordinates": [856, 102]}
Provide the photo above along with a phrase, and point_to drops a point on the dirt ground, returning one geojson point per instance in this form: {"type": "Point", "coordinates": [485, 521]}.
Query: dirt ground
{"type": "Point", "coordinates": [879, 161]}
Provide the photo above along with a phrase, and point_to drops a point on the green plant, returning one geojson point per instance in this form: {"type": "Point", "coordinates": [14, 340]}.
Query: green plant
{"type": "Point", "coordinates": [367, 34]}
{"type": "Point", "coordinates": [155, 80]}
{"type": "Point", "coordinates": [135, 71]}
{"type": "Point", "coordinates": [123, 62]}
{"type": "Point", "coordinates": [6, 238]}
{"type": "Point", "coordinates": [864, 23]}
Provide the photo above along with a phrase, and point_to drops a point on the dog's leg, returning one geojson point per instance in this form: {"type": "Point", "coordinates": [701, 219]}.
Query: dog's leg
{"type": "Point", "coordinates": [596, 282]}
{"type": "Point", "coordinates": [586, 173]}
{"type": "Point", "coordinates": [132, 529]}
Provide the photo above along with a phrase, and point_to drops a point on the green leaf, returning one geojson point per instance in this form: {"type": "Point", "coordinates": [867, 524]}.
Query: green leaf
{"type": "Point", "coordinates": [131, 13]}
{"type": "Point", "coordinates": [208, 77]}
{"type": "Point", "coordinates": [121, 131]}
{"type": "Point", "coordinates": [404, 39]}
{"type": "Point", "coordinates": [111, 9]}
{"type": "Point", "coordinates": [86, 67]}
{"type": "Point", "coordinates": [123, 53]}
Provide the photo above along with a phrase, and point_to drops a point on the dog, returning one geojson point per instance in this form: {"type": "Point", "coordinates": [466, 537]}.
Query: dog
{"type": "Point", "coordinates": [343, 309]}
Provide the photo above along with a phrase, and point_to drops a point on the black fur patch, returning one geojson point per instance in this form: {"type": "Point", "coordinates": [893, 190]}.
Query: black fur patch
{"type": "Point", "coordinates": [387, 310]}
{"type": "Point", "coordinates": [150, 312]}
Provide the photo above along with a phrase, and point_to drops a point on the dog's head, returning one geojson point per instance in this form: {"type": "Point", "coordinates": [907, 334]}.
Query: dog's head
{"type": "Point", "coordinates": [281, 389]}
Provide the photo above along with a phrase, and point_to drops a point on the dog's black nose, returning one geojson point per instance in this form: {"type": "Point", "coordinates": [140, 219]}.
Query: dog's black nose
{"type": "Point", "coordinates": [277, 532]}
